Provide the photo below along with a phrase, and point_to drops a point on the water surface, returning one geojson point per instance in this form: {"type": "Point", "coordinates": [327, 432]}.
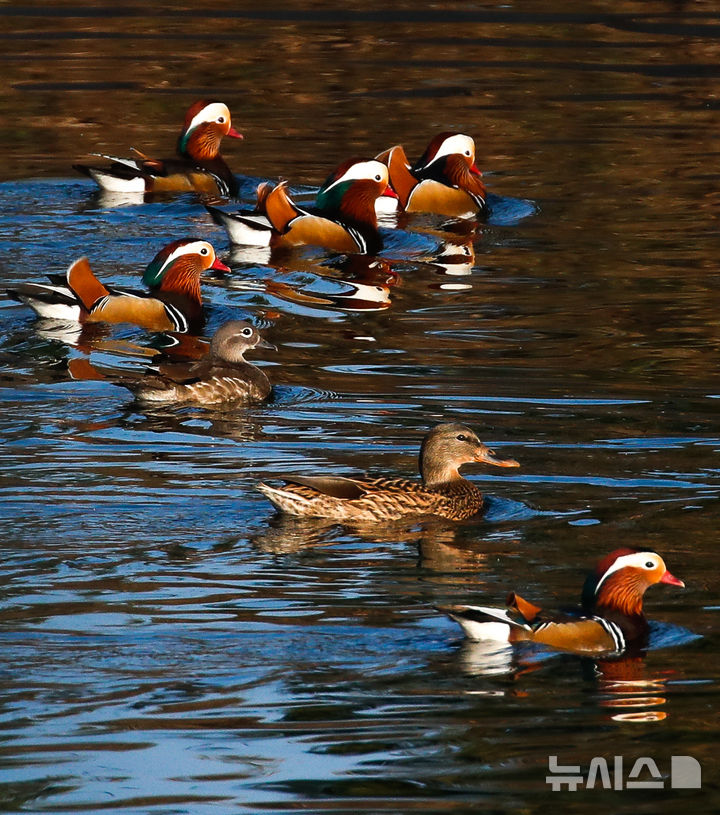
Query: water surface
{"type": "Point", "coordinates": [172, 645]}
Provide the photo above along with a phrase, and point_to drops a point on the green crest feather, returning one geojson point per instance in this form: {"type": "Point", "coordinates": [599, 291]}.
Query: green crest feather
{"type": "Point", "coordinates": [329, 200]}
{"type": "Point", "coordinates": [153, 275]}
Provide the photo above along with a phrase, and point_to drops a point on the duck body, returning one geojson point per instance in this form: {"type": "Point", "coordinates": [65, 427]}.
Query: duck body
{"type": "Point", "coordinates": [173, 302]}
{"type": "Point", "coordinates": [610, 620]}
{"type": "Point", "coordinates": [374, 499]}
{"type": "Point", "coordinates": [197, 167]}
{"type": "Point", "coordinates": [343, 219]}
{"type": "Point", "coordinates": [444, 181]}
{"type": "Point", "coordinates": [222, 376]}
{"type": "Point", "coordinates": [442, 491]}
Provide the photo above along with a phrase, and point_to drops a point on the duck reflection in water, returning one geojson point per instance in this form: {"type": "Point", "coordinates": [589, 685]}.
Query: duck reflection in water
{"type": "Point", "coordinates": [285, 534]}
{"type": "Point", "coordinates": [352, 283]}
{"type": "Point", "coordinates": [609, 633]}
{"type": "Point", "coordinates": [626, 686]}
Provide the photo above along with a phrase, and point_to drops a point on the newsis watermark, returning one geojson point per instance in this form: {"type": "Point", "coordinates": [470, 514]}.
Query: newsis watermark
{"type": "Point", "coordinates": [685, 773]}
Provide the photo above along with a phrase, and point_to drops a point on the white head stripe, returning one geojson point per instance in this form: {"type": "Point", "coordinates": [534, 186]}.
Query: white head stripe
{"type": "Point", "coordinates": [188, 249]}
{"type": "Point", "coordinates": [636, 559]}
{"type": "Point", "coordinates": [208, 114]}
{"type": "Point", "coordinates": [458, 143]}
{"type": "Point", "coordinates": [362, 170]}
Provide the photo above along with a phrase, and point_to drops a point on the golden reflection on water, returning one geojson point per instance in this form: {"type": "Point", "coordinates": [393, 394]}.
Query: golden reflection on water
{"type": "Point", "coordinates": [624, 683]}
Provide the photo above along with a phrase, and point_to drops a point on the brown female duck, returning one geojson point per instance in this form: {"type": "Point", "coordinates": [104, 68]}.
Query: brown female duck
{"type": "Point", "coordinates": [223, 375]}
{"type": "Point", "coordinates": [442, 491]}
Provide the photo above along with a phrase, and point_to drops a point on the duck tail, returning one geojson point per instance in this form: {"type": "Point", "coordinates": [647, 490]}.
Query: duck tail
{"type": "Point", "coordinates": [290, 502]}
{"type": "Point", "coordinates": [483, 623]}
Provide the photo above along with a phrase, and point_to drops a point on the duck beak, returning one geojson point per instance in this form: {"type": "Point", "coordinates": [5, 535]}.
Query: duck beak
{"type": "Point", "coordinates": [671, 580]}
{"type": "Point", "coordinates": [474, 169]}
{"type": "Point", "coordinates": [390, 193]}
{"type": "Point", "coordinates": [233, 134]}
{"type": "Point", "coordinates": [488, 457]}
{"type": "Point", "coordinates": [219, 266]}
{"type": "Point", "coordinates": [265, 344]}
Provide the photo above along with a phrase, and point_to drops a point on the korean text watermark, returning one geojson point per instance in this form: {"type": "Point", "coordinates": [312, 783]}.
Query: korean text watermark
{"type": "Point", "coordinates": [685, 773]}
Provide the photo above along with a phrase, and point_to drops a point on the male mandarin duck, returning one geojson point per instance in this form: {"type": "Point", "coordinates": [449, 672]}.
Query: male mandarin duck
{"type": "Point", "coordinates": [442, 491]}
{"type": "Point", "coordinates": [221, 376]}
{"type": "Point", "coordinates": [343, 219]}
{"type": "Point", "coordinates": [173, 302]}
{"type": "Point", "coordinates": [445, 180]}
{"type": "Point", "coordinates": [198, 165]}
{"type": "Point", "coordinates": [611, 618]}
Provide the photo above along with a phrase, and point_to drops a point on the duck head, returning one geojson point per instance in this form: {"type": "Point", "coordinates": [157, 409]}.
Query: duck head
{"type": "Point", "coordinates": [442, 149]}
{"type": "Point", "coordinates": [447, 447]}
{"type": "Point", "coordinates": [621, 579]}
{"type": "Point", "coordinates": [351, 189]}
{"type": "Point", "coordinates": [206, 124]}
{"type": "Point", "coordinates": [178, 266]}
{"type": "Point", "coordinates": [233, 339]}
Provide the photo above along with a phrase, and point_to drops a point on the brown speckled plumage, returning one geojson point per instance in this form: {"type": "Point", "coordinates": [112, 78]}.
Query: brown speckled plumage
{"type": "Point", "coordinates": [442, 491]}
{"type": "Point", "coordinates": [221, 376]}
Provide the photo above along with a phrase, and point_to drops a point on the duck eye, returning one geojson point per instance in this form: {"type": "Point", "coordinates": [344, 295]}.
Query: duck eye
{"type": "Point", "coordinates": [378, 177]}
{"type": "Point", "coordinates": [247, 332]}
{"type": "Point", "coordinates": [221, 120]}
{"type": "Point", "coordinates": [204, 250]}
{"type": "Point", "coordinates": [467, 152]}
{"type": "Point", "coordinates": [461, 437]}
{"type": "Point", "coordinates": [649, 565]}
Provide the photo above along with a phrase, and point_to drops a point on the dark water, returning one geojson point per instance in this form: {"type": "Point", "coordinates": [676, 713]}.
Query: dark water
{"type": "Point", "coordinates": [170, 644]}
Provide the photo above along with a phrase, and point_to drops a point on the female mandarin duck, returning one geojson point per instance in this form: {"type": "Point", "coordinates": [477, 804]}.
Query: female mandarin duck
{"type": "Point", "coordinates": [343, 219]}
{"type": "Point", "coordinates": [222, 376]}
{"type": "Point", "coordinates": [444, 181]}
{"type": "Point", "coordinates": [173, 303]}
{"type": "Point", "coordinates": [610, 621]}
{"type": "Point", "coordinates": [198, 166]}
{"type": "Point", "coordinates": [443, 491]}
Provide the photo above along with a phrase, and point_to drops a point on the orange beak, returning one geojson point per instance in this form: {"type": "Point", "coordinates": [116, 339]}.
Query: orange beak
{"type": "Point", "coordinates": [671, 580]}
{"type": "Point", "coordinates": [488, 457]}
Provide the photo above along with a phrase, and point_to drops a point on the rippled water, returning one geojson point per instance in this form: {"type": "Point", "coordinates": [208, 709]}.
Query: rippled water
{"type": "Point", "coordinates": [174, 646]}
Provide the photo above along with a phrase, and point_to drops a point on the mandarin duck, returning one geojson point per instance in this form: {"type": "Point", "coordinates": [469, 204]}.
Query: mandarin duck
{"type": "Point", "coordinates": [198, 165]}
{"type": "Point", "coordinates": [342, 220]}
{"type": "Point", "coordinates": [444, 181]}
{"type": "Point", "coordinates": [611, 618]}
{"type": "Point", "coordinates": [222, 375]}
{"type": "Point", "coordinates": [442, 491]}
{"type": "Point", "coordinates": [173, 302]}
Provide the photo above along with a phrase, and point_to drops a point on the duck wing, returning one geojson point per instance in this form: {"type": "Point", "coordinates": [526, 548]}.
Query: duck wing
{"type": "Point", "coordinates": [347, 489]}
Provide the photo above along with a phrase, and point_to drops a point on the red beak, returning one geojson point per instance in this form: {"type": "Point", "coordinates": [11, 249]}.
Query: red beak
{"type": "Point", "coordinates": [220, 266]}
{"type": "Point", "coordinates": [234, 134]}
{"type": "Point", "coordinates": [390, 193]}
{"type": "Point", "coordinates": [474, 169]}
{"type": "Point", "coordinates": [671, 580]}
